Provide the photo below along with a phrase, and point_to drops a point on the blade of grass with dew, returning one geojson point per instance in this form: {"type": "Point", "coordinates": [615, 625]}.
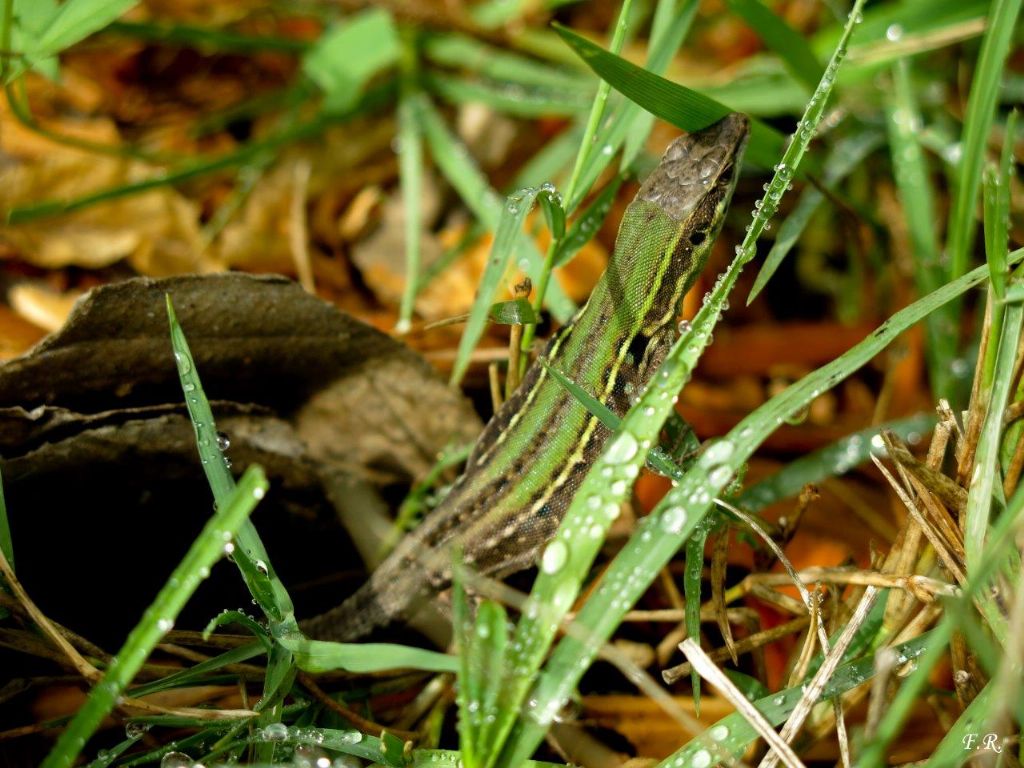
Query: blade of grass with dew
{"type": "Point", "coordinates": [567, 559]}
{"type": "Point", "coordinates": [788, 44]}
{"type": "Point", "coordinates": [833, 460]}
{"type": "Point", "coordinates": [674, 103]}
{"type": "Point", "coordinates": [250, 556]}
{"type": "Point", "coordinates": [916, 197]}
{"type": "Point", "coordinates": [665, 529]}
{"type": "Point", "coordinates": [508, 232]}
{"type": "Point", "coordinates": [510, 99]}
{"type": "Point", "coordinates": [981, 107]}
{"type": "Point", "coordinates": [951, 750]}
{"type": "Point", "coordinates": [733, 734]}
{"type": "Point", "coordinates": [657, 459]}
{"type": "Point", "coordinates": [985, 477]}
{"type": "Point", "coordinates": [206, 550]}
{"type": "Point", "coordinates": [847, 155]}
{"type": "Point", "coordinates": [996, 243]}
{"type": "Point", "coordinates": [1001, 542]}
{"type": "Point", "coordinates": [458, 168]}
{"type": "Point", "coordinates": [349, 54]}
{"type": "Point", "coordinates": [483, 646]}
{"type": "Point", "coordinates": [410, 175]}
{"type": "Point", "coordinates": [465, 53]}
{"type": "Point", "coordinates": [694, 549]}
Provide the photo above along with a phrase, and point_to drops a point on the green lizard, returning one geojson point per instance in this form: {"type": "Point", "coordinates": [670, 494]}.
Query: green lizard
{"type": "Point", "coordinates": [533, 453]}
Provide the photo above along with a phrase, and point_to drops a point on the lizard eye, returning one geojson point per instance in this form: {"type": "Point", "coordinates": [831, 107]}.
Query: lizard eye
{"type": "Point", "coordinates": [698, 237]}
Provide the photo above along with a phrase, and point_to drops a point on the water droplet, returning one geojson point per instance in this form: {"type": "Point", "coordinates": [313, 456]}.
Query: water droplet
{"type": "Point", "coordinates": [275, 732]}
{"type": "Point", "coordinates": [175, 760]}
{"type": "Point", "coordinates": [719, 732]}
{"type": "Point", "coordinates": [673, 520]}
{"type": "Point", "coordinates": [133, 730]}
{"type": "Point", "coordinates": [165, 624]}
{"type": "Point", "coordinates": [623, 449]}
{"type": "Point", "coordinates": [717, 452]}
{"type": "Point", "coordinates": [685, 326]}
{"type": "Point", "coordinates": [701, 759]}
{"type": "Point", "coordinates": [893, 33]}
{"type": "Point", "coordinates": [258, 492]}
{"type": "Point", "coordinates": [223, 441]}
{"type": "Point", "coordinates": [184, 366]}
{"type": "Point", "coordinates": [262, 567]}
{"type": "Point", "coordinates": [555, 556]}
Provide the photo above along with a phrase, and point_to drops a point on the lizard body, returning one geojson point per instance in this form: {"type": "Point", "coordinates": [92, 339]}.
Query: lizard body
{"type": "Point", "coordinates": [531, 456]}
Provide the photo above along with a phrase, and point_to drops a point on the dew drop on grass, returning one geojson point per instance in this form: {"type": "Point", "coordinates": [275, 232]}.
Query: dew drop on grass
{"type": "Point", "coordinates": [275, 732]}
{"type": "Point", "coordinates": [165, 624]}
{"type": "Point", "coordinates": [673, 520]}
{"type": "Point", "coordinates": [701, 759]}
{"type": "Point", "coordinates": [176, 760]}
{"type": "Point", "coordinates": [223, 441]}
{"type": "Point", "coordinates": [623, 449]}
{"type": "Point", "coordinates": [261, 567]}
{"type": "Point", "coordinates": [555, 556]}
{"type": "Point", "coordinates": [134, 730]}
{"type": "Point", "coordinates": [719, 732]}
{"type": "Point", "coordinates": [184, 366]}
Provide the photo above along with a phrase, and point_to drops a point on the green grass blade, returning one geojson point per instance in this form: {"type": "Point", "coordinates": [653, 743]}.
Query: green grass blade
{"type": "Point", "coordinates": [206, 550]}
{"type": "Point", "coordinates": [846, 156]}
{"type": "Point", "coordinates": [981, 106]}
{"type": "Point", "coordinates": [511, 99]}
{"type": "Point", "coordinates": [410, 174]}
{"type": "Point", "coordinates": [997, 211]}
{"type": "Point", "coordinates": [985, 479]}
{"type": "Point", "coordinates": [788, 44]}
{"type": "Point", "coordinates": [661, 533]}
{"type": "Point", "coordinates": [508, 233]}
{"type": "Point", "coordinates": [458, 168]}
{"type": "Point", "coordinates": [197, 672]}
{"type": "Point", "coordinates": [568, 557]}
{"type": "Point", "coordinates": [628, 126]}
{"type": "Point", "coordinates": [323, 656]}
{"type": "Point", "coordinates": [831, 461]}
{"type": "Point", "coordinates": [674, 103]}
{"type": "Point", "coordinates": [733, 734]}
{"type": "Point", "coordinates": [250, 556]}
{"type": "Point", "coordinates": [587, 223]}
{"type": "Point", "coordinates": [349, 54]}
{"type": "Point", "coordinates": [914, 188]}
{"type": "Point", "coordinates": [465, 53]}
{"type": "Point", "coordinates": [691, 590]}
{"type": "Point", "coordinates": [967, 729]}
{"type": "Point", "coordinates": [6, 542]}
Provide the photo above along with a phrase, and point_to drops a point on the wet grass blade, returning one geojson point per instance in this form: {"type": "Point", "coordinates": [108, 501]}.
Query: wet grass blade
{"type": "Point", "coordinates": [733, 734]}
{"type": "Point", "coordinates": [509, 232]}
{"type": "Point", "coordinates": [206, 550]}
{"type": "Point", "coordinates": [250, 555]}
{"type": "Point", "coordinates": [916, 196]}
{"type": "Point", "coordinates": [410, 174]}
{"type": "Point", "coordinates": [831, 461]}
{"type": "Point", "coordinates": [981, 107]}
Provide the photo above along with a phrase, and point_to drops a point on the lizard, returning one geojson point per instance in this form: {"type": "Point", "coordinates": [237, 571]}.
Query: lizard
{"type": "Point", "coordinates": [522, 472]}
